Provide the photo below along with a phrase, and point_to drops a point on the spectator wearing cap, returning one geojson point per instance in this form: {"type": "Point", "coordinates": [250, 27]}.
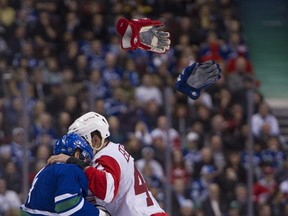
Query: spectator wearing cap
{"type": "Point", "coordinates": [159, 146]}
{"type": "Point", "coordinates": [200, 191]}
{"type": "Point", "coordinates": [191, 152]}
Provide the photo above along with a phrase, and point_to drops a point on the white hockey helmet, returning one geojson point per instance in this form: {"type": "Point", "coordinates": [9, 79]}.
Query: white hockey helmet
{"type": "Point", "coordinates": [88, 123]}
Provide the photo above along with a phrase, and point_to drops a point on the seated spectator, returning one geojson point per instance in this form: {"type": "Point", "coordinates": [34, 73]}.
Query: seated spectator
{"type": "Point", "coordinates": [98, 88]}
{"type": "Point", "coordinates": [181, 118]}
{"type": "Point", "coordinates": [235, 119]}
{"type": "Point", "coordinates": [44, 125]}
{"type": "Point", "coordinates": [142, 133]}
{"type": "Point", "coordinates": [187, 208]}
{"type": "Point", "coordinates": [81, 68]}
{"type": "Point", "coordinates": [264, 209]}
{"type": "Point", "coordinates": [16, 148]}
{"type": "Point", "coordinates": [159, 145]}
{"type": "Point", "coordinates": [162, 129]}
{"type": "Point", "coordinates": [133, 146]}
{"type": "Point", "coordinates": [151, 112]}
{"type": "Point", "coordinates": [117, 104]}
{"type": "Point", "coordinates": [241, 198]}
{"type": "Point", "coordinates": [233, 159]}
{"type": "Point", "coordinates": [112, 74]}
{"type": "Point", "coordinates": [180, 196]}
{"type": "Point", "coordinates": [203, 114]}
{"type": "Point", "coordinates": [216, 144]}
{"type": "Point", "coordinates": [148, 91]}
{"type": "Point", "coordinates": [148, 160]}
{"type": "Point", "coordinates": [213, 204]}
{"type": "Point", "coordinates": [191, 152]}
{"type": "Point", "coordinates": [227, 182]}
{"type": "Point", "coordinates": [178, 166]}
{"type": "Point", "coordinates": [282, 173]}
{"type": "Point", "coordinates": [72, 106]}
{"type": "Point", "coordinates": [256, 161]}
{"type": "Point", "coordinates": [265, 186]}
{"type": "Point", "coordinates": [13, 177]}
{"type": "Point", "coordinates": [68, 85]}
{"type": "Point", "coordinates": [241, 63]}
{"type": "Point", "coordinates": [51, 71]}
{"type": "Point", "coordinates": [200, 186]}
{"type": "Point", "coordinates": [117, 135]}
{"type": "Point", "coordinates": [272, 153]}
{"type": "Point", "coordinates": [130, 73]}
{"type": "Point", "coordinates": [9, 200]}
{"type": "Point", "coordinates": [63, 122]}
{"type": "Point", "coordinates": [206, 158]}
{"type": "Point", "coordinates": [12, 115]}
{"type": "Point", "coordinates": [264, 118]}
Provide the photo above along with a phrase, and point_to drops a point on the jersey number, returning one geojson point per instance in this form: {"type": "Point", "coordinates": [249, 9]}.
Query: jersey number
{"type": "Point", "coordinates": [140, 186]}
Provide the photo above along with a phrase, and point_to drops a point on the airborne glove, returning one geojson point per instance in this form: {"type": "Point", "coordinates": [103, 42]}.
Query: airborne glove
{"type": "Point", "coordinates": [144, 34]}
{"type": "Point", "coordinates": [196, 77]}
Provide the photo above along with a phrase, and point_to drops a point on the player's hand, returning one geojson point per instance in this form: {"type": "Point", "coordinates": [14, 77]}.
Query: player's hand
{"type": "Point", "coordinates": [58, 158]}
{"type": "Point", "coordinates": [196, 77]}
{"type": "Point", "coordinates": [144, 34]}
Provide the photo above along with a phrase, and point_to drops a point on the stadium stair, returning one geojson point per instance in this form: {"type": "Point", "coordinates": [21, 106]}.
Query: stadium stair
{"type": "Point", "coordinates": [265, 26]}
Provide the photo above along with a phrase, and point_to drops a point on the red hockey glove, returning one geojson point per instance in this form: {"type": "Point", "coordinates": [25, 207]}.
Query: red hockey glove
{"type": "Point", "coordinates": [143, 33]}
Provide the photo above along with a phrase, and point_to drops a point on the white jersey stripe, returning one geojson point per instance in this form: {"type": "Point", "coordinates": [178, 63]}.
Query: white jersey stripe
{"type": "Point", "coordinates": [64, 196]}
{"type": "Point", "coordinates": [35, 211]}
{"type": "Point", "coordinates": [110, 188]}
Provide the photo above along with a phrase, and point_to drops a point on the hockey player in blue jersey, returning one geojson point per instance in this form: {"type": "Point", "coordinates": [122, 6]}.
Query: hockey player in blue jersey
{"type": "Point", "coordinates": [60, 189]}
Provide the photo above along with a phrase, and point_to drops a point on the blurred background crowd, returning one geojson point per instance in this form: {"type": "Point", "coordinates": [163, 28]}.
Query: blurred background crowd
{"type": "Point", "coordinates": [67, 55]}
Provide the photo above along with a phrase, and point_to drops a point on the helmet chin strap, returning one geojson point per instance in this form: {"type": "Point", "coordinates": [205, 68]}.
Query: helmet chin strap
{"type": "Point", "coordinates": [95, 149]}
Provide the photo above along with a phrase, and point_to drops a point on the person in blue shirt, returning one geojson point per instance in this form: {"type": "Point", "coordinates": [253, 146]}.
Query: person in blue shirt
{"type": "Point", "coordinates": [61, 189]}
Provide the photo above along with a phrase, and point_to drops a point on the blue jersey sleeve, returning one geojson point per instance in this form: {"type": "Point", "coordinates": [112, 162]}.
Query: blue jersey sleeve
{"type": "Point", "coordinates": [72, 186]}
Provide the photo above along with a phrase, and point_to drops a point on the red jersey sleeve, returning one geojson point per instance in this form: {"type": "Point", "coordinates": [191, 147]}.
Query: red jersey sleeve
{"type": "Point", "coordinates": [104, 179]}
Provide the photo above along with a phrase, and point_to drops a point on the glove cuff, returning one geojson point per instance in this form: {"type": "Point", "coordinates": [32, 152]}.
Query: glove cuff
{"type": "Point", "coordinates": [130, 34]}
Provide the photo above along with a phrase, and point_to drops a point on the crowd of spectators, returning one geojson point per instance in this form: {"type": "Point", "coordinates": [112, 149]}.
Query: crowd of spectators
{"type": "Point", "coordinates": [64, 58]}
